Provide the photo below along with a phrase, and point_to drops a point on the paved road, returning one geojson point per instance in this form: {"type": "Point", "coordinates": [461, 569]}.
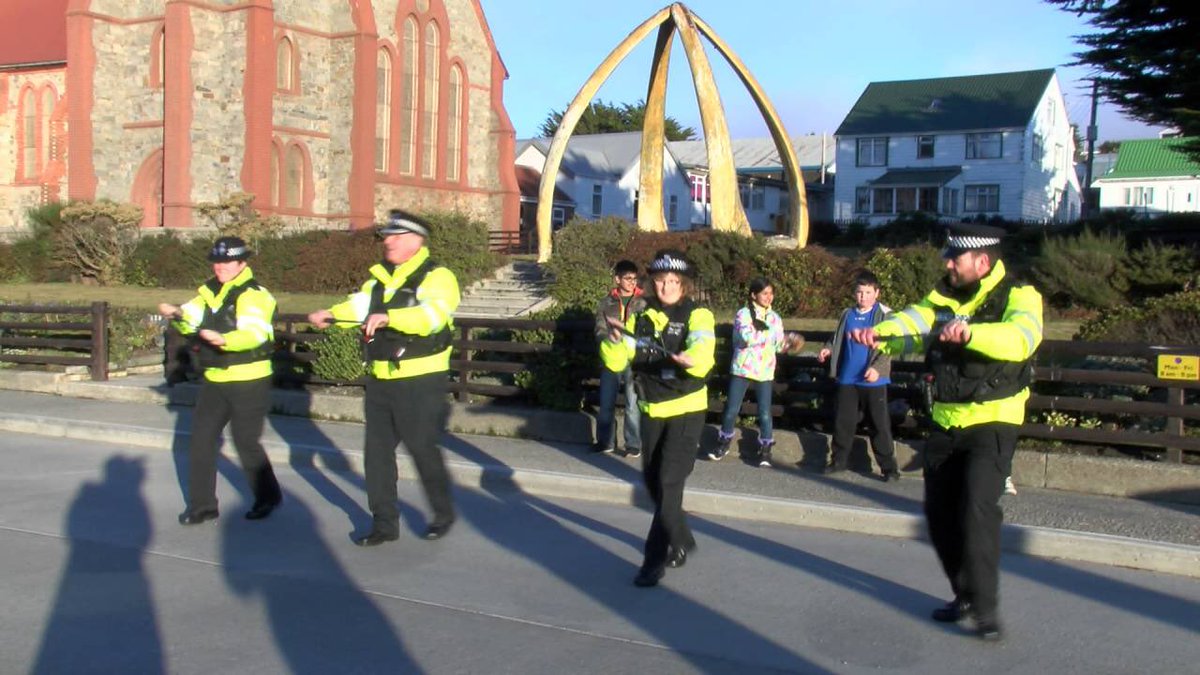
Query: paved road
{"type": "Point", "coordinates": [98, 577]}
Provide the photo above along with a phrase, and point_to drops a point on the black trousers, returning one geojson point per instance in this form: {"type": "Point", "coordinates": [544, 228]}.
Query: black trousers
{"type": "Point", "coordinates": [850, 400]}
{"type": "Point", "coordinates": [411, 410]}
{"type": "Point", "coordinates": [669, 447]}
{"type": "Point", "coordinates": [243, 406]}
{"type": "Point", "coordinates": [964, 478]}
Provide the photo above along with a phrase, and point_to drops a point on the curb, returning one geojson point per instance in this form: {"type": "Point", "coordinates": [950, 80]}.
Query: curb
{"type": "Point", "coordinates": [1038, 542]}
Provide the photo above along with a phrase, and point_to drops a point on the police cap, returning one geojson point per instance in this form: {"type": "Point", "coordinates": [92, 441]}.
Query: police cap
{"type": "Point", "coordinates": [670, 260]}
{"type": "Point", "coordinates": [401, 222]}
{"type": "Point", "coordinates": [227, 249]}
{"type": "Point", "coordinates": [963, 237]}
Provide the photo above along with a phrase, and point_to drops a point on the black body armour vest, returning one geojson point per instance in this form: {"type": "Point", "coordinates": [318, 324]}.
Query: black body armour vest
{"type": "Point", "coordinates": [223, 320]}
{"type": "Point", "coordinates": [964, 376]}
{"type": "Point", "coordinates": [389, 344]}
{"type": "Point", "coordinates": [656, 377]}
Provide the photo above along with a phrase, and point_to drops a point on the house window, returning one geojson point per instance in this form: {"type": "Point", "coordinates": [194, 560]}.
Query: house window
{"type": "Point", "coordinates": [924, 147]}
{"type": "Point", "coordinates": [383, 108]}
{"type": "Point", "coordinates": [927, 199]}
{"type": "Point", "coordinates": [1058, 156]}
{"type": "Point", "coordinates": [754, 197]}
{"type": "Point", "coordinates": [883, 199]}
{"type": "Point", "coordinates": [984, 146]}
{"type": "Point", "coordinates": [700, 193]}
{"type": "Point", "coordinates": [862, 200]}
{"type": "Point", "coordinates": [558, 217]}
{"type": "Point", "coordinates": [454, 120]}
{"type": "Point", "coordinates": [950, 201]}
{"type": "Point", "coordinates": [872, 151]}
{"type": "Point", "coordinates": [1050, 110]}
{"type": "Point", "coordinates": [430, 116]}
{"type": "Point", "coordinates": [672, 210]}
{"type": "Point", "coordinates": [47, 145]}
{"type": "Point", "coordinates": [906, 199]}
{"type": "Point", "coordinates": [293, 186]}
{"type": "Point", "coordinates": [285, 66]}
{"type": "Point", "coordinates": [981, 198]}
{"type": "Point", "coordinates": [29, 118]}
{"type": "Point", "coordinates": [408, 97]}
{"type": "Point", "coordinates": [1139, 196]}
{"type": "Point", "coordinates": [597, 200]}
{"type": "Point", "coordinates": [1039, 149]}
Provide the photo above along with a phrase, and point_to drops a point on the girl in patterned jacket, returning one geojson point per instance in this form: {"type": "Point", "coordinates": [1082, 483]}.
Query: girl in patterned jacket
{"type": "Point", "coordinates": [758, 336]}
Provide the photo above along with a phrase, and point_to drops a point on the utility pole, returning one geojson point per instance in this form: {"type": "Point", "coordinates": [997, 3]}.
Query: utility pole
{"type": "Point", "coordinates": [1085, 208]}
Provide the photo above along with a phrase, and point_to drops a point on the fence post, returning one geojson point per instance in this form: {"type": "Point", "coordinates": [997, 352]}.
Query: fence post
{"type": "Point", "coordinates": [460, 390]}
{"type": "Point", "coordinates": [99, 365]}
{"type": "Point", "coordinates": [1175, 424]}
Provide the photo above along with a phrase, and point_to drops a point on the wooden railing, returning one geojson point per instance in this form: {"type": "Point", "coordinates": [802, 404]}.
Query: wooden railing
{"type": "Point", "coordinates": [28, 335]}
{"type": "Point", "coordinates": [486, 362]}
{"type": "Point", "coordinates": [512, 243]}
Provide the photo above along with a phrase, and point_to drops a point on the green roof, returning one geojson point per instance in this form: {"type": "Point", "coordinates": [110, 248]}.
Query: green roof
{"type": "Point", "coordinates": [1154, 157]}
{"type": "Point", "coordinates": [1001, 100]}
{"type": "Point", "coordinates": [931, 176]}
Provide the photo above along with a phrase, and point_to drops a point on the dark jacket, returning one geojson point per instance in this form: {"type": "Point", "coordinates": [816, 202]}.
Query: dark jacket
{"type": "Point", "coordinates": [881, 362]}
{"type": "Point", "coordinates": [610, 305]}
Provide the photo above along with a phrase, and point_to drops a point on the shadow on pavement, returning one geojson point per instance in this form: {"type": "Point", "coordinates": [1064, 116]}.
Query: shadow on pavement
{"type": "Point", "coordinates": [680, 623]}
{"type": "Point", "coordinates": [321, 621]}
{"type": "Point", "coordinates": [103, 618]}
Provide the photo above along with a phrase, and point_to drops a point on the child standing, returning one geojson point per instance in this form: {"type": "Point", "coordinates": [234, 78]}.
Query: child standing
{"type": "Point", "coordinates": [757, 336]}
{"type": "Point", "coordinates": [862, 374]}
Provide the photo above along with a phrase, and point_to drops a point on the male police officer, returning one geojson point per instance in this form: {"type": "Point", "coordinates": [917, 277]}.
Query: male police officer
{"type": "Point", "coordinates": [979, 329]}
{"type": "Point", "coordinates": [230, 320]}
{"type": "Point", "coordinates": [405, 310]}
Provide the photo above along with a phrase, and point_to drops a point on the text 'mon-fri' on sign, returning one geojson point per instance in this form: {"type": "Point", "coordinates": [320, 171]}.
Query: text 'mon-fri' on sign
{"type": "Point", "coordinates": [1176, 367]}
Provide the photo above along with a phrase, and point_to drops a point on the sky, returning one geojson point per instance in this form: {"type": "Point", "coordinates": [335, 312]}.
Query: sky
{"type": "Point", "coordinates": [812, 58]}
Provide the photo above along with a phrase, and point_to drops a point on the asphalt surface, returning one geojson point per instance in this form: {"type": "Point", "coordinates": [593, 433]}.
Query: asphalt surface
{"type": "Point", "coordinates": [99, 577]}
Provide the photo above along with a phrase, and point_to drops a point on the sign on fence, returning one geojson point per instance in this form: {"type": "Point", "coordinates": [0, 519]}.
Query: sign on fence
{"type": "Point", "coordinates": [1178, 367]}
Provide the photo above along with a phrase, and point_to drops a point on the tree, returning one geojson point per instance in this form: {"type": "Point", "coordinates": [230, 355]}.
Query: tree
{"type": "Point", "coordinates": [1109, 146]}
{"type": "Point", "coordinates": [1145, 54]}
{"type": "Point", "coordinates": [607, 118]}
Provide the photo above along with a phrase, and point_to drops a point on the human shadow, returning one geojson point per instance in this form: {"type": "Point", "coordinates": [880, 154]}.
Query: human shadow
{"type": "Point", "coordinates": [103, 616]}
{"type": "Point", "coordinates": [1155, 605]}
{"type": "Point", "coordinates": [528, 526]}
{"type": "Point", "coordinates": [320, 620]}
{"type": "Point", "coordinates": [306, 442]}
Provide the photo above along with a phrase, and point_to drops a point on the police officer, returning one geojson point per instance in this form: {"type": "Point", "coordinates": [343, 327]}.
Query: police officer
{"type": "Point", "coordinates": [233, 339]}
{"type": "Point", "coordinates": [979, 328]}
{"type": "Point", "coordinates": [406, 310]}
{"type": "Point", "coordinates": [670, 345]}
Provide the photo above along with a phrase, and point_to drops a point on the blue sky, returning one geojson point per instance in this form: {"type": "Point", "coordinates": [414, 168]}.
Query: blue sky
{"type": "Point", "coordinates": [813, 59]}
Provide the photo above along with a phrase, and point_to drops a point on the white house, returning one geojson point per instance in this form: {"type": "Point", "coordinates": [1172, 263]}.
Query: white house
{"type": "Point", "coordinates": [1153, 177]}
{"type": "Point", "coordinates": [599, 176]}
{"type": "Point", "coordinates": [958, 147]}
{"type": "Point", "coordinates": [764, 192]}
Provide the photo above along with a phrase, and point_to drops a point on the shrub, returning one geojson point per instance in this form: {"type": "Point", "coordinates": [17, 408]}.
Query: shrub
{"type": "Point", "coordinates": [131, 331]}
{"type": "Point", "coordinates": [1154, 269]}
{"type": "Point", "coordinates": [905, 274]}
{"type": "Point", "coordinates": [167, 261]}
{"type": "Point", "coordinates": [461, 244]}
{"type": "Point", "coordinates": [808, 282]}
{"type": "Point", "coordinates": [555, 378]}
{"type": "Point", "coordinates": [339, 355]}
{"type": "Point", "coordinates": [96, 238]}
{"type": "Point", "coordinates": [1082, 270]}
{"type": "Point", "coordinates": [1173, 319]}
{"type": "Point", "coordinates": [584, 253]}
{"type": "Point", "coordinates": [319, 262]}
{"type": "Point", "coordinates": [725, 263]}
{"type": "Point", "coordinates": [234, 216]}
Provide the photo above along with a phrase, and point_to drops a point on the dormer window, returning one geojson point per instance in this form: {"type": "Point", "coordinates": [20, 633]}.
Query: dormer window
{"type": "Point", "coordinates": [935, 105]}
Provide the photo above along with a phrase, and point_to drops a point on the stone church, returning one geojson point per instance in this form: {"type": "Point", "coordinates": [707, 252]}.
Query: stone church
{"type": "Point", "coordinates": [330, 112]}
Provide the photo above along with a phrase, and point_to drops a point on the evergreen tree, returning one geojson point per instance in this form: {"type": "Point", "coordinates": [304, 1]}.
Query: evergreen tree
{"type": "Point", "coordinates": [607, 118]}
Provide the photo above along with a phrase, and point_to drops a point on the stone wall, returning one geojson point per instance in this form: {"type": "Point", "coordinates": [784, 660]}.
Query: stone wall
{"type": "Point", "coordinates": [16, 198]}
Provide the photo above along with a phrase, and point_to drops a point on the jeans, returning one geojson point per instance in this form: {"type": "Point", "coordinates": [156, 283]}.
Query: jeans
{"type": "Point", "coordinates": [762, 394]}
{"type": "Point", "coordinates": [605, 418]}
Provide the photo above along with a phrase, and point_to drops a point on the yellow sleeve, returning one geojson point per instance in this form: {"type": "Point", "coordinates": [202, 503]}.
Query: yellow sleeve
{"type": "Point", "coordinates": [701, 342]}
{"type": "Point", "coordinates": [437, 298]}
{"type": "Point", "coordinates": [1018, 333]}
{"type": "Point", "coordinates": [255, 309]}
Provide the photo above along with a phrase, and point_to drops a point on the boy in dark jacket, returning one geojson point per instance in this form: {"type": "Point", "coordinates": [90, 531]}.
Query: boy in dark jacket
{"type": "Point", "coordinates": [862, 376]}
{"type": "Point", "coordinates": [623, 300]}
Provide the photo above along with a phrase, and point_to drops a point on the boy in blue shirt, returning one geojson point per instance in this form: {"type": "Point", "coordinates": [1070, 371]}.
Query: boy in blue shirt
{"type": "Point", "coordinates": [862, 376]}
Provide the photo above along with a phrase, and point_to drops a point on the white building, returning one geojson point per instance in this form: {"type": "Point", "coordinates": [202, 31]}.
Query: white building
{"type": "Point", "coordinates": [997, 145]}
{"type": "Point", "coordinates": [1152, 176]}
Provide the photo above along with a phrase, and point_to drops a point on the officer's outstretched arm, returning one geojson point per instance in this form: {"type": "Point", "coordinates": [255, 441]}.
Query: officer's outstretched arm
{"type": "Point", "coordinates": [1018, 333]}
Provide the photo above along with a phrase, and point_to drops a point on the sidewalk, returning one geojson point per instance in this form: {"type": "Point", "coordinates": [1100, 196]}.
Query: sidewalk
{"type": "Point", "coordinates": [139, 411]}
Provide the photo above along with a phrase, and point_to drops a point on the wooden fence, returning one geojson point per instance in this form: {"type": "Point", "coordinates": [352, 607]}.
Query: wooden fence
{"type": "Point", "coordinates": [1089, 381]}
{"type": "Point", "coordinates": [512, 243]}
{"type": "Point", "coordinates": [27, 335]}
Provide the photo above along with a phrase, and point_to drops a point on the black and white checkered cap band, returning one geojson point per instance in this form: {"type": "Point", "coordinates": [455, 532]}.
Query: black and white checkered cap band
{"type": "Point", "coordinates": [223, 250]}
{"type": "Point", "coordinates": [400, 224]}
{"type": "Point", "coordinates": [669, 264]}
{"type": "Point", "coordinates": [966, 243]}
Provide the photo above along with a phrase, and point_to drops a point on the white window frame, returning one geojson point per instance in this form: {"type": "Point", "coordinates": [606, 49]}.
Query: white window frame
{"type": "Point", "coordinates": [672, 209]}
{"type": "Point", "coordinates": [977, 198]}
{"type": "Point", "coordinates": [597, 199]}
{"type": "Point", "coordinates": [862, 199]}
{"type": "Point", "coordinates": [924, 142]}
{"type": "Point", "coordinates": [867, 151]}
{"type": "Point", "coordinates": [987, 145]}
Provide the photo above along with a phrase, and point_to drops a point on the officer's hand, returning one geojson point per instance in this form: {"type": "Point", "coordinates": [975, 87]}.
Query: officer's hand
{"type": "Point", "coordinates": [321, 318]}
{"type": "Point", "coordinates": [374, 323]}
{"type": "Point", "coordinates": [212, 337]}
{"type": "Point", "coordinates": [683, 360]}
{"type": "Point", "coordinates": [865, 336]}
{"type": "Point", "coordinates": [168, 310]}
{"type": "Point", "coordinates": [871, 375]}
{"type": "Point", "coordinates": [823, 354]}
{"type": "Point", "coordinates": [956, 332]}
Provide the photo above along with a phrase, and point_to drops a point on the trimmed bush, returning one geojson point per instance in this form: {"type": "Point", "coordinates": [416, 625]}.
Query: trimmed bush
{"type": "Point", "coordinates": [95, 239]}
{"type": "Point", "coordinates": [1173, 319]}
{"type": "Point", "coordinates": [905, 274]}
{"type": "Point", "coordinates": [1085, 270]}
{"type": "Point", "coordinates": [461, 244]}
{"type": "Point", "coordinates": [339, 355]}
{"type": "Point", "coordinates": [167, 261]}
{"type": "Point", "coordinates": [584, 253]}
{"type": "Point", "coordinates": [808, 282]}
{"type": "Point", "coordinates": [1155, 270]}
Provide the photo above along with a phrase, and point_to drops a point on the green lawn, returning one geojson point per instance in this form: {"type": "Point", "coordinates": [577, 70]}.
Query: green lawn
{"type": "Point", "coordinates": [142, 298]}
